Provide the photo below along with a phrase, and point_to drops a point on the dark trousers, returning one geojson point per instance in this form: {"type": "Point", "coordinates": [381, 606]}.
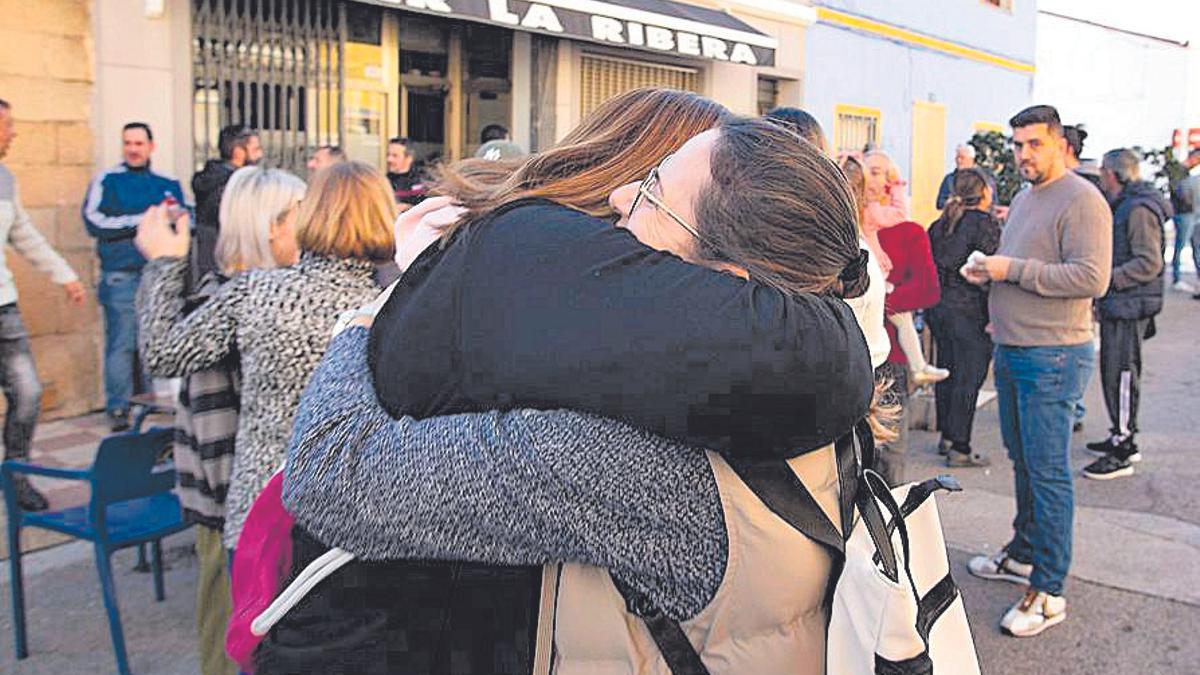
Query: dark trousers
{"type": "Point", "coordinates": [1121, 371]}
{"type": "Point", "coordinates": [965, 349]}
{"type": "Point", "coordinates": [20, 383]}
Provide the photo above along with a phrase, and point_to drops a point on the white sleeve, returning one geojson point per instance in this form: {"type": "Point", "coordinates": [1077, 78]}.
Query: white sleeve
{"type": "Point", "coordinates": [868, 309]}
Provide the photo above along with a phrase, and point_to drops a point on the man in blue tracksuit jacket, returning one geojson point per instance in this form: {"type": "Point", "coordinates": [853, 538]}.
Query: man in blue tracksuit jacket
{"type": "Point", "coordinates": [115, 202]}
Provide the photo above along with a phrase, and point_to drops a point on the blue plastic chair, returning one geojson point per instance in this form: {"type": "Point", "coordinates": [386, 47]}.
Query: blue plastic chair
{"type": "Point", "coordinates": [131, 504]}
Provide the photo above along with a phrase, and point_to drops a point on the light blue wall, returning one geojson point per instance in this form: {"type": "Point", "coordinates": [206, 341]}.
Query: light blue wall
{"type": "Point", "coordinates": [854, 68]}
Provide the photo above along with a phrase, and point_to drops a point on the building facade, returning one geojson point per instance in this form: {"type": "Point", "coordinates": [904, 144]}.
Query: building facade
{"type": "Point", "coordinates": [1128, 87]}
{"type": "Point", "coordinates": [47, 73]}
{"type": "Point", "coordinates": [917, 78]}
{"type": "Point", "coordinates": [346, 72]}
{"type": "Point", "coordinates": [355, 73]}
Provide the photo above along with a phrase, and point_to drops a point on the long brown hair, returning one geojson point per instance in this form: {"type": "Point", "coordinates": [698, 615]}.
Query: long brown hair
{"type": "Point", "coordinates": [856, 176]}
{"type": "Point", "coordinates": [782, 210]}
{"type": "Point", "coordinates": [617, 144]}
{"type": "Point", "coordinates": [969, 186]}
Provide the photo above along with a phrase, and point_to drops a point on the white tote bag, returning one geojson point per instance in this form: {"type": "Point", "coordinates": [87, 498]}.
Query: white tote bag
{"type": "Point", "coordinates": [896, 609]}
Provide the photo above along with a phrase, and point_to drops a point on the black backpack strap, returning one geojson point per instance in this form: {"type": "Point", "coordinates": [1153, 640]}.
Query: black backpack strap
{"type": "Point", "coordinates": [673, 643]}
{"type": "Point", "coordinates": [774, 482]}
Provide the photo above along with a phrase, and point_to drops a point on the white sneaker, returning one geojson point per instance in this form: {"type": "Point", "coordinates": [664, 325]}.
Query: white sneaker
{"type": "Point", "coordinates": [1000, 566]}
{"type": "Point", "coordinates": [1036, 612]}
{"type": "Point", "coordinates": [928, 375]}
{"type": "Point", "coordinates": [1183, 287]}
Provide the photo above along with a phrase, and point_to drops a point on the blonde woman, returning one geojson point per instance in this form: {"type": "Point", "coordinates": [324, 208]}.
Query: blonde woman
{"type": "Point", "coordinates": [277, 321]}
{"type": "Point", "coordinates": [257, 231]}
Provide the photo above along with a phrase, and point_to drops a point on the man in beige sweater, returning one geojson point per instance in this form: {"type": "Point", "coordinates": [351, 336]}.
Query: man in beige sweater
{"type": "Point", "coordinates": [1055, 258]}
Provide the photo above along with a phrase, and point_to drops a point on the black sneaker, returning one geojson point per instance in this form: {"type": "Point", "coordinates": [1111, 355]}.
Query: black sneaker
{"type": "Point", "coordinates": [28, 497]}
{"type": "Point", "coordinates": [1077, 426]}
{"type": "Point", "coordinates": [1125, 449]}
{"type": "Point", "coordinates": [118, 421]}
{"type": "Point", "coordinates": [1108, 467]}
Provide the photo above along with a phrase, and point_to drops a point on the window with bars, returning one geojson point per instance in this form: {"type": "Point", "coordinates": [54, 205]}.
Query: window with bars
{"type": "Point", "coordinates": [856, 129]}
{"type": "Point", "coordinates": [604, 77]}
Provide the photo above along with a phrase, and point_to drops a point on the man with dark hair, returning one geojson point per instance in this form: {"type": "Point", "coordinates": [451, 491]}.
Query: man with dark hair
{"type": "Point", "coordinates": [802, 123]}
{"type": "Point", "coordinates": [1127, 311]}
{"type": "Point", "coordinates": [403, 174]}
{"type": "Point", "coordinates": [115, 202]}
{"type": "Point", "coordinates": [493, 132]}
{"type": "Point", "coordinates": [1055, 257]}
{"type": "Point", "coordinates": [1076, 135]}
{"type": "Point", "coordinates": [324, 157]}
{"type": "Point", "coordinates": [497, 144]}
{"type": "Point", "coordinates": [239, 146]}
{"type": "Point", "coordinates": [19, 380]}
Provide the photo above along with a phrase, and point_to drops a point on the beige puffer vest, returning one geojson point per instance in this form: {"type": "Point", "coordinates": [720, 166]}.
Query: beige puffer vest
{"type": "Point", "coordinates": [767, 617]}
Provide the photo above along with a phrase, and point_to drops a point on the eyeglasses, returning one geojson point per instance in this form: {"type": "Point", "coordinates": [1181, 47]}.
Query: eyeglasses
{"type": "Point", "coordinates": [644, 190]}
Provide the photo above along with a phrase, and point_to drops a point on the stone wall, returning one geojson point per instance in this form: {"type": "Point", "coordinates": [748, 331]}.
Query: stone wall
{"type": "Point", "coordinates": [47, 74]}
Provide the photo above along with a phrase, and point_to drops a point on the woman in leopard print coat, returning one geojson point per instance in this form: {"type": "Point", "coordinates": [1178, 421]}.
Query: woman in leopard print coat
{"type": "Point", "coordinates": [277, 321]}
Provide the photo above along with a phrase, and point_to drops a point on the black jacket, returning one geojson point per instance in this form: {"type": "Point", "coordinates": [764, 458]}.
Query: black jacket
{"type": "Point", "coordinates": [1136, 289]}
{"type": "Point", "coordinates": [975, 231]}
{"type": "Point", "coordinates": [541, 306]}
{"type": "Point", "coordinates": [551, 308]}
{"type": "Point", "coordinates": [208, 185]}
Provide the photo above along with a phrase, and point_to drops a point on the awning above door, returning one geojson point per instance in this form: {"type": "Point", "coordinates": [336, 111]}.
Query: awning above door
{"type": "Point", "coordinates": [660, 26]}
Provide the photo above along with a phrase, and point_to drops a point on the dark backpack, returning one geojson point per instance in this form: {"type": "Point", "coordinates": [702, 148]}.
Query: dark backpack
{"type": "Point", "coordinates": [1181, 199]}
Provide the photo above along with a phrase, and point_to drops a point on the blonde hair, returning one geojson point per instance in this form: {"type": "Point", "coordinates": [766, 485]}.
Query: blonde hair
{"type": "Point", "coordinates": [348, 213]}
{"type": "Point", "coordinates": [253, 201]}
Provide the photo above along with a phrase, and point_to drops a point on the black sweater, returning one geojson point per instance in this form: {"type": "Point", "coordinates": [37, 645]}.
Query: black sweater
{"type": "Point", "coordinates": [975, 231]}
{"type": "Point", "coordinates": [540, 306]}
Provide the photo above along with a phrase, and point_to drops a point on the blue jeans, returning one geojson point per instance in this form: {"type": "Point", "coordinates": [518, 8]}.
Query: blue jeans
{"type": "Point", "coordinates": [1037, 390]}
{"type": "Point", "coordinates": [1184, 224]}
{"type": "Point", "coordinates": [116, 293]}
{"type": "Point", "coordinates": [19, 380]}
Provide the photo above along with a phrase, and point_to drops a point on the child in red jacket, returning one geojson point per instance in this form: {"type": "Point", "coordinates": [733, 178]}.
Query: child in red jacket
{"type": "Point", "coordinates": [907, 261]}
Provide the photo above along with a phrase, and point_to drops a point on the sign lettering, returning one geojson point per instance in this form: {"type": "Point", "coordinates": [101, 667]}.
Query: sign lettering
{"type": "Point", "coordinates": [606, 28]}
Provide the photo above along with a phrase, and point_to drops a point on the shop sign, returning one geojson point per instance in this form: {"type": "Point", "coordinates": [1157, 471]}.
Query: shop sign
{"type": "Point", "coordinates": [669, 27]}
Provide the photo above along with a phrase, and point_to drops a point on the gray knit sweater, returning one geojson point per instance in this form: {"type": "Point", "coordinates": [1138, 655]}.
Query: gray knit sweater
{"type": "Point", "coordinates": [277, 322]}
{"type": "Point", "coordinates": [522, 487]}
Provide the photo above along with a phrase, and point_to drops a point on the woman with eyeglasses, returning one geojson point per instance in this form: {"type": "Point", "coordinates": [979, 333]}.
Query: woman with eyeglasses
{"type": "Point", "coordinates": [710, 317]}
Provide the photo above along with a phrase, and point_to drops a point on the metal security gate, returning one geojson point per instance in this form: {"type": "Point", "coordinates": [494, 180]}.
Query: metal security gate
{"type": "Point", "coordinates": [273, 65]}
{"type": "Point", "coordinates": [604, 77]}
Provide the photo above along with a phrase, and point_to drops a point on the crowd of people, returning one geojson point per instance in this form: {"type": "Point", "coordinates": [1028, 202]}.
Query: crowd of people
{"type": "Point", "coordinates": [456, 376]}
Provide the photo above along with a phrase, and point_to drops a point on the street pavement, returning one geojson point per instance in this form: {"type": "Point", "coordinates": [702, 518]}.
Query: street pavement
{"type": "Point", "coordinates": [1134, 590]}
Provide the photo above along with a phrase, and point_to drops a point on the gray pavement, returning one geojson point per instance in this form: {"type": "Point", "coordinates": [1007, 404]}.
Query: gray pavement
{"type": "Point", "coordinates": [1134, 603]}
{"type": "Point", "coordinates": [67, 625]}
{"type": "Point", "coordinates": [1134, 590]}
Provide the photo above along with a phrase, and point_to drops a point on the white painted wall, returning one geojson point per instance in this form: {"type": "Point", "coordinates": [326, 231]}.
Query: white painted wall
{"type": "Point", "coordinates": [142, 74]}
{"type": "Point", "coordinates": [1127, 90]}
